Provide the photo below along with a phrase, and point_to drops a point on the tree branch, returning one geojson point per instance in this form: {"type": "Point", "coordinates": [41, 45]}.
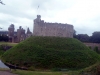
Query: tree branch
{"type": "Point", "coordinates": [2, 2]}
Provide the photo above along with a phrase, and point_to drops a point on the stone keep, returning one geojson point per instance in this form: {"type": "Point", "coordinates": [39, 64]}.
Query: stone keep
{"type": "Point", "coordinates": [42, 28]}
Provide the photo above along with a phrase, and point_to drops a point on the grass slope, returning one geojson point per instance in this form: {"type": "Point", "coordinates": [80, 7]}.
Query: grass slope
{"type": "Point", "coordinates": [2, 50]}
{"type": "Point", "coordinates": [23, 72]}
{"type": "Point", "coordinates": [50, 53]}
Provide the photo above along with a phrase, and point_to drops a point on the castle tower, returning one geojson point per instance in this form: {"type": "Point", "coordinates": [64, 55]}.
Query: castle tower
{"type": "Point", "coordinates": [19, 34]}
{"type": "Point", "coordinates": [11, 32]}
{"type": "Point", "coordinates": [37, 25]}
{"type": "Point", "coordinates": [28, 33]}
{"type": "Point", "coordinates": [23, 36]}
{"type": "Point", "coordinates": [38, 18]}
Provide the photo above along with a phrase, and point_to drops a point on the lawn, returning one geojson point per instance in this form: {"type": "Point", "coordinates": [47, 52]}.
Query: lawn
{"type": "Point", "coordinates": [8, 43]}
{"type": "Point", "coordinates": [22, 72]}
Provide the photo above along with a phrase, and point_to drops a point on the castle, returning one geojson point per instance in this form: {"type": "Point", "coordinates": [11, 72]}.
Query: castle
{"type": "Point", "coordinates": [18, 36]}
{"type": "Point", "coordinates": [42, 28]}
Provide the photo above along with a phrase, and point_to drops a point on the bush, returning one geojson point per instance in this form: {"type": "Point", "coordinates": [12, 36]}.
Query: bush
{"type": "Point", "coordinates": [96, 50]}
{"type": "Point", "coordinates": [90, 47]}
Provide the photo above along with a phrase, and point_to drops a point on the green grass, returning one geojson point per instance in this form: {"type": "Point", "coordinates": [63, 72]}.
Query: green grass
{"type": "Point", "coordinates": [1, 52]}
{"type": "Point", "coordinates": [51, 53]}
{"type": "Point", "coordinates": [5, 44]}
{"type": "Point", "coordinates": [8, 43]}
{"type": "Point", "coordinates": [25, 72]}
{"type": "Point", "coordinates": [4, 69]}
{"type": "Point", "coordinates": [91, 70]}
{"type": "Point", "coordinates": [22, 72]}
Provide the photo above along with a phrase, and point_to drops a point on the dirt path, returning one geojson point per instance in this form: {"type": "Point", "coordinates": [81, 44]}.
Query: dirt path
{"type": "Point", "coordinates": [6, 73]}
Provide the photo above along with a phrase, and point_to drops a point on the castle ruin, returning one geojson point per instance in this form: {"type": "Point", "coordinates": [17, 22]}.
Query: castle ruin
{"type": "Point", "coordinates": [42, 28]}
{"type": "Point", "coordinates": [11, 32]}
{"type": "Point", "coordinates": [18, 36]}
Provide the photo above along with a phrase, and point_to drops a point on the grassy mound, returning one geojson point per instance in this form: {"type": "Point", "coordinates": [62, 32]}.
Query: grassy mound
{"type": "Point", "coordinates": [92, 70]}
{"type": "Point", "coordinates": [49, 53]}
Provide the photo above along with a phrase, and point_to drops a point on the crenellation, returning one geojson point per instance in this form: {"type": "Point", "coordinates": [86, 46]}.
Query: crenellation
{"type": "Point", "coordinates": [42, 28]}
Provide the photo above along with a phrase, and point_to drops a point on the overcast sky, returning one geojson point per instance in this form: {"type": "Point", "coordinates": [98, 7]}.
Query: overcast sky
{"type": "Point", "coordinates": [84, 15]}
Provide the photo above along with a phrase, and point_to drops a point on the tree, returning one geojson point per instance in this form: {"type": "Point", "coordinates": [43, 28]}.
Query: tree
{"type": "Point", "coordinates": [74, 34]}
{"type": "Point", "coordinates": [4, 38]}
{"type": "Point", "coordinates": [2, 2]}
{"type": "Point", "coordinates": [95, 38]}
{"type": "Point", "coordinates": [82, 37]}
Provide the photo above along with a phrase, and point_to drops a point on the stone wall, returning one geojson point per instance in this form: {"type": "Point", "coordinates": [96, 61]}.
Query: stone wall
{"type": "Point", "coordinates": [42, 28]}
{"type": "Point", "coordinates": [93, 45]}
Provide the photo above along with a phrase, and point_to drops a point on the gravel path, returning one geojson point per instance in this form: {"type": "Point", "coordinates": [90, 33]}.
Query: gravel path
{"type": "Point", "coordinates": [6, 73]}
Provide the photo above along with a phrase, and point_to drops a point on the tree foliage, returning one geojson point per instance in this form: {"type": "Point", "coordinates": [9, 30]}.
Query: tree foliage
{"type": "Point", "coordinates": [4, 38]}
{"type": "Point", "coordinates": [95, 38]}
{"type": "Point", "coordinates": [83, 37]}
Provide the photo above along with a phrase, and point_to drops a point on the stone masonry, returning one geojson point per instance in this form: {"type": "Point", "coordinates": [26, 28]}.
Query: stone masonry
{"type": "Point", "coordinates": [18, 36]}
{"type": "Point", "coordinates": [42, 28]}
{"type": "Point", "coordinates": [11, 32]}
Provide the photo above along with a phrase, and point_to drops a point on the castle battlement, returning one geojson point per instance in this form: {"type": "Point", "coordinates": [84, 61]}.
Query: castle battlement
{"type": "Point", "coordinates": [42, 28]}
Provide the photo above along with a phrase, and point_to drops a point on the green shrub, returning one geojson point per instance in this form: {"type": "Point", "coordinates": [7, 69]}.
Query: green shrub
{"type": "Point", "coordinates": [31, 68]}
{"type": "Point", "coordinates": [96, 50]}
{"type": "Point", "coordinates": [90, 47]}
{"type": "Point", "coordinates": [1, 50]}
